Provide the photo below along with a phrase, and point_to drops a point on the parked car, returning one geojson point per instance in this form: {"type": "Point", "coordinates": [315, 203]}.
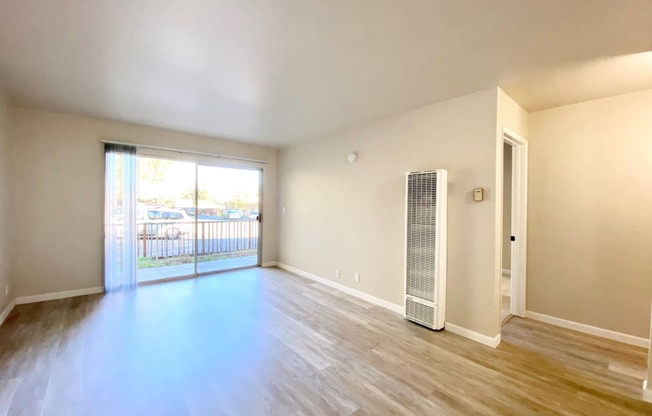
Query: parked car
{"type": "Point", "coordinates": [234, 214]}
{"type": "Point", "coordinates": [163, 222]}
{"type": "Point", "coordinates": [253, 215]}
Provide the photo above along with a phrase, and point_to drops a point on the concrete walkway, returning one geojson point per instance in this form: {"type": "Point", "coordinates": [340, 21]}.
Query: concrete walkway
{"type": "Point", "coordinates": [156, 273]}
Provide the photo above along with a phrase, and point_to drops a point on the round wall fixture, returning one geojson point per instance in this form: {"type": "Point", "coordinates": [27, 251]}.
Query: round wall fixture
{"type": "Point", "coordinates": [353, 156]}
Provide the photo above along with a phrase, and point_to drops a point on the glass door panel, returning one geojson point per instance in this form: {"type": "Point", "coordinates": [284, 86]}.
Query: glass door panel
{"type": "Point", "coordinates": [227, 218]}
{"type": "Point", "coordinates": [165, 219]}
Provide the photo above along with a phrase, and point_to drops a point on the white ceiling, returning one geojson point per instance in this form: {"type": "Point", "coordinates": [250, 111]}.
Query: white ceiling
{"type": "Point", "coordinates": [276, 72]}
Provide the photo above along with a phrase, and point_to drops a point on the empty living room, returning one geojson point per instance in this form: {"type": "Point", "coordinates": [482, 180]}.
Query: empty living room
{"type": "Point", "coordinates": [251, 208]}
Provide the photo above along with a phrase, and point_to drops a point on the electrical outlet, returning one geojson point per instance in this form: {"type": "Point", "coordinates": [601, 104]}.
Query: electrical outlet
{"type": "Point", "coordinates": [337, 273]}
{"type": "Point", "coordinates": [7, 289]}
{"type": "Point", "coordinates": [356, 276]}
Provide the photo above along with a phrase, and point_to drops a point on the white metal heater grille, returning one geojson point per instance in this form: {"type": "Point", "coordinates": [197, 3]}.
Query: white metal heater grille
{"type": "Point", "coordinates": [426, 247]}
{"type": "Point", "coordinates": [419, 312]}
{"type": "Point", "coordinates": [422, 193]}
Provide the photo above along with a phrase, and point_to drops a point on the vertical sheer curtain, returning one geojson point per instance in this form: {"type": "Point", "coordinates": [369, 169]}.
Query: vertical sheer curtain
{"type": "Point", "coordinates": [119, 217]}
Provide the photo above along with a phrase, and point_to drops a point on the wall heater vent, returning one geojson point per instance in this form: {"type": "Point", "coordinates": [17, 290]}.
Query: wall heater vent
{"type": "Point", "coordinates": [425, 248]}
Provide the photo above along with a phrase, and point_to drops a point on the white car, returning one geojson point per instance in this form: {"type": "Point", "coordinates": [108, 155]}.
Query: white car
{"type": "Point", "coordinates": [163, 222]}
{"type": "Point", "coordinates": [234, 214]}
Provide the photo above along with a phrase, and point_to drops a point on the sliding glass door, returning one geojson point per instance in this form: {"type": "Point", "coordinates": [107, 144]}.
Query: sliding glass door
{"type": "Point", "coordinates": [194, 218]}
{"type": "Point", "coordinates": [165, 230]}
{"type": "Point", "coordinates": [228, 218]}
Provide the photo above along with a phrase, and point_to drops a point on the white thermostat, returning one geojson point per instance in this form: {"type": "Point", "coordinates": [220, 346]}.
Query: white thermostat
{"type": "Point", "coordinates": [478, 194]}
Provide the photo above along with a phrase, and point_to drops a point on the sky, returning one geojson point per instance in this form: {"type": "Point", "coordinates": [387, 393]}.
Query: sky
{"type": "Point", "coordinates": [178, 178]}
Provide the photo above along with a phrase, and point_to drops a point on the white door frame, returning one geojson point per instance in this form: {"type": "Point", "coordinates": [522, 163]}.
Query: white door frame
{"type": "Point", "coordinates": [518, 265]}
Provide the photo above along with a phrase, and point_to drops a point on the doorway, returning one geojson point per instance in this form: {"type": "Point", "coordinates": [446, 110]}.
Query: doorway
{"type": "Point", "coordinates": [505, 278]}
{"type": "Point", "coordinates": [195, 218]}
{"type": "Point", "coordinates": [514, 215]}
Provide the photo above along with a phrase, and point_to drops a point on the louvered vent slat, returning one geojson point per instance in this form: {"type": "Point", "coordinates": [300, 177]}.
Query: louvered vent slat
{"type": "Point", "coordinates": [420, 313]}
{"type": "Point", "coordinates": [425, 244]}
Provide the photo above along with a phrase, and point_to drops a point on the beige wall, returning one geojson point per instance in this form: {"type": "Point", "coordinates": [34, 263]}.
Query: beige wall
{"type": "Point", "coordinates": [590, 213]}
{"type": "Point", "coordinates": [351, 216]}
{"type": "Point", "coordinates": [507, 205]}
{"type": "Point", "coordinates": [4, 201]}
{"type": "Point", "coordinates": [58, 177]}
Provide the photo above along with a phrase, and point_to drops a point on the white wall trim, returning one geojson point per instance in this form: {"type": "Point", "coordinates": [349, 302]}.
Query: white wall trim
{"type": "Point", "coordinates": [458, 330]}
{"type": "Point", "coordinates": [350, 291]}
{"type": "Point", "coordinates": [588, 329]}
{"type": "Point", "coordinates": [647, 394]}
{"type": "Point", "coordinates": [59, 295]}
{"type": "Point", "coordinates": [268, 264]}
{"type": "Point", "coordinates": [7, 311]}
{"type": "Point", "coordinates": [472, 335]}
{"type": "Point", "coordinates": [518, 265]}
{"type": "Point", "coordinates": [507, 272]}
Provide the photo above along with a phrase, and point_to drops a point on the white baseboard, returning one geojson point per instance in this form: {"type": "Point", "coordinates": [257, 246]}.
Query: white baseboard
{"type": "Point", "coordinates": [58, 295]}
{"type": "Point", "coordinates": [268, 264]}
{"type": "Point", "coordinates": [482, 339]}
{"type": "Point", "coordinates": [350, 291]}
{"type": "Point", "coordinates": [588, 329]}
{"type": "Point", "coordinates": [507, 272]}
{"type": "Point", "coordinates": [472, 335]}
{"type": "Point", "coordinates": [647, 394]}
{"type": "Point", "coordinates": [7, 311]}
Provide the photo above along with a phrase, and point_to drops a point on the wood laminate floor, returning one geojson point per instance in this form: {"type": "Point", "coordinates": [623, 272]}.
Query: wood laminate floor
{"type": "Point", "coordinates": [265, 342]}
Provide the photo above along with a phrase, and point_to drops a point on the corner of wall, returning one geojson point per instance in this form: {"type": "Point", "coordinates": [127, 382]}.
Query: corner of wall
{"type": "Point", "coordinates": [568, 148]}
{"type": "Point", "coordinates": [6, 295]}
{"type": "Point", "coordinates": [511, 116]}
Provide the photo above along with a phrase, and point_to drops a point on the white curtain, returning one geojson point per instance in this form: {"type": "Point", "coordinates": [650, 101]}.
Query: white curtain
{"type": "Point", "coordinates": [120, 217]}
